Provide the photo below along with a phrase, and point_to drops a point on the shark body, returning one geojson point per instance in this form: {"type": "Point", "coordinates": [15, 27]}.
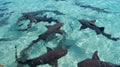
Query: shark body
{"type": "Point", "coordinates": [95, 62]}
{"type": "Point", "coordinates": [98, 30]}
{"type": "Point", "coordinates": [51, 58]}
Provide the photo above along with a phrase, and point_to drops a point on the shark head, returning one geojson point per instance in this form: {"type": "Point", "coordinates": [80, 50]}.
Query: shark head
{"type": "Point", "coordinates": [58, 25]}
{"type": "Point", "coordinates": [55, 28]}
{"type": "Point", "coordinates": [83, 21]}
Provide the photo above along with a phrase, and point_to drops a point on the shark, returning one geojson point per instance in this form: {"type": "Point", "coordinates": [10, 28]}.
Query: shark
{"type": "Point", "coordinates": [51, 57]}
{"type": "Point", "coordinates": [97, 9]}
{"type": "Point", "coordinates": [39, 19]}
{"type": "Point", "coordinates": [99, 30]}
{"type": "Point", "coordinates": [32, 15]}
{"type": "Point", "coordinates": [95, 62]}
{"type": "Point", "coordinates": [51, 30]}
{"type": "Point", "coordinates": [46, 19]}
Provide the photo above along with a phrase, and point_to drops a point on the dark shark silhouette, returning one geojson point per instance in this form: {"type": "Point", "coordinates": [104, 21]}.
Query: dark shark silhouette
{"type": "Point", "coordinates": [39, 19]}
{"type": "Point", "coordinates": [98, 30]}
{"type": "Point", "coordinates": [51, 58]}
{"type": "Point", "coordinates": [95, 62]}
{"type": "Point", "coordinates": [44, 18]}
{"type": "Point", "coordinates": [32, 15]}
{"type": "Point", "coordinates": [51, 30]}
{"type": "Point", "coordinates": [95, 8]}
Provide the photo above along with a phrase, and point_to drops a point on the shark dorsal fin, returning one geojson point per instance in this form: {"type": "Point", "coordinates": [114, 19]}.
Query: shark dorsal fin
{"type": "Point", "coordinates": [95, 56]}
{"type": "Point", "coordinates": [48, 49]}
{"type": "Point", "coordinates": [101, 28]}
{"type": "Point", "coordinates": [53, 63]}
{"type": "Point", "coordinates": [82, 27]}
{"type": "Point", "coordinates": [48, 26]}
{"type": "Point", "coordinates": [93, 21]}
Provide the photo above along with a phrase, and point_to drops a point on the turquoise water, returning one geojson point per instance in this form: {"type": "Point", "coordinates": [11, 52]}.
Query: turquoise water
{"type": "Point", "coordinates": [83, 43]}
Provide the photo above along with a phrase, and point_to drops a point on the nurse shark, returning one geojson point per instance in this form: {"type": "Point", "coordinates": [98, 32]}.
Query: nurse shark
{"type": "Point", "coordinates": [38, 19]}
{"type": "Point", "coordinates": [51, 57]}
{"type": "Point", "coordinates": [98, 30]}
{"type": "Point", "coordinates": [51, 30]}
{"type": "Point", "coordinates": [32, 15]}
{"type": "Point", "coordinates": [95, 62]}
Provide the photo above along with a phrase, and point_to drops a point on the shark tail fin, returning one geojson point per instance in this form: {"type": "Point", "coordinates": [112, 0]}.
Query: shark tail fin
{"type": "Point", "coordinates": [107, 35]}
{"type": "Point", "coordinates": [101, 28]}
{"type": "Point", "coordinates": [21, 62]}
{"type": "Point", "coordinates": [16, 52]}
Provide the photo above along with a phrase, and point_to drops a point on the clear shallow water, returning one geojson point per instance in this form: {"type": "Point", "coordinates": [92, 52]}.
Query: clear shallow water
{"type": "Point", "coordinates": [83, 43]}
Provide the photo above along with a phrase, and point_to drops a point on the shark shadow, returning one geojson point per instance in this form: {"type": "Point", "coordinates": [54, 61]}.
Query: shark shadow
{"type": "Point", "coordinates": [99, 10]}
{"type": "Point", "coordinates": [5, 3]}
{"type": "Point", "coordinates": [3, 9]}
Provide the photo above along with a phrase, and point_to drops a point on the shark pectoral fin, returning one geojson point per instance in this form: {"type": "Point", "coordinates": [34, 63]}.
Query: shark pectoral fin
{"type": "Point", "coordinates": [48, 26]}
{"type": "Point", "coordinates": [59, 31]}
{"type": "Point", "coordinates": [101, 28]}
{"type": "Point", "coordinates": [95, 56]}
{"type": "Point", "coordinates": [93, 21]}
{"type": "Point", "coordinates": [54, 63]}
{"type": "Point", "coordinates": [83, 27]}
{"type": "Point", "coordinates": [48, 49]}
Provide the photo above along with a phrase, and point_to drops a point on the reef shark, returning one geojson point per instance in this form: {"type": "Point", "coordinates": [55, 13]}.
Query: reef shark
{"type": "Point", "coordinates": [51, 30]}
{"type": "Point", "coordinates": [51, 57]}
{"type": "Point", "coordinates": [95, 62]}
{"type": "Point", "coordinates": [98, 30]}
